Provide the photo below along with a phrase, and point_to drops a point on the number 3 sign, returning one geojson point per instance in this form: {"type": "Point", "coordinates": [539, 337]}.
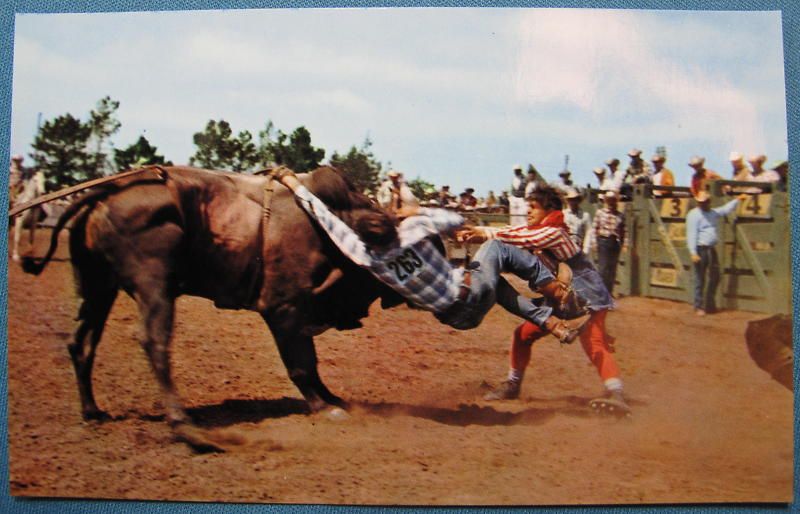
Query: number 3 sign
{"type": "Point", "coordinates": [674, 207]}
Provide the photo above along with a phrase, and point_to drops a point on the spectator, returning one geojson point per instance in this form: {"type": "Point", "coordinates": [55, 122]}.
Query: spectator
{"type": "Point", "coordinates": [662, 176]}
{"type": "Point", "coordinates": [701, 239]}
{"type": "Point", "coordinates": [517, 208]}
{"type": "Point", "coordinates": [566, 183]}
{"type": "Point", "coordinates": [491, 200]}
{"type": "Point", "coordinates": [638, 171]}
{"type": "Point", "coordinates": [503, 200]}
{"type": "Point", "coordinates": [782, 169]}
{"type": "Point", "coordinates": [604, 183]}
{"type": "Point", "coordinates": [741, 173]}
{"type": "Point", "coordinates": [739, 170]}
{"type": "Point", "coordinates": [467, 200]}
{"type": "Point", "coordinates": [444, 198]}
{"type": "Point", "coordinates": [532, 179]}
{"type": "Point", "coordinates": [701, 175]}
{"type": "Point", "coordinates": [618, 177]}
{"type": "Point", "coordinates": [759, 174]}
{"type": "Point", "coordinates": [16, 175]}
{"type": "Point", "coordinates": [394, 193]}
{"type": "Point", "coordinates": [609, 234]}
{"type": "Point", "coordinates": [578, 222]}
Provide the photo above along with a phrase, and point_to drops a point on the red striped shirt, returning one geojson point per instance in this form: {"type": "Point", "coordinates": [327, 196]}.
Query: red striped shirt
{"type": "Point", "coordinates": [554, 239]}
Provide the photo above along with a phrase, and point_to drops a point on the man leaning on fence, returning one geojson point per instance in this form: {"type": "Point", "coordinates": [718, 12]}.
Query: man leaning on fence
{"type": "Point", "coordinates": [609, 235]}
{"type": "Point", "coordinates": [702, 235]}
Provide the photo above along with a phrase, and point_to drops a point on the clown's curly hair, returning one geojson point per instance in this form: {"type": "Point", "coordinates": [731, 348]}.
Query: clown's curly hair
{"type": "Point", "coordinates": [548, 197]}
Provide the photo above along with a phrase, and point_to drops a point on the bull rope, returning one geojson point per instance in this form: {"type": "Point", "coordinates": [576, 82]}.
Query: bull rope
{"type": "Point", "coordinates": [266, 209]}
{"type": "Point", "coordinates": [266, 213]}
{"type": "Point", "coordinates": [159, 171]}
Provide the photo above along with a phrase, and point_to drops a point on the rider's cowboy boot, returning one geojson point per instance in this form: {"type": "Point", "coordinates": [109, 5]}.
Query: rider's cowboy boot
{"type": "Point", "coordinates": [566, 330]}
{"type": "Point", "coordinates": [556, 291]}
{"type": "Point", "coordinates": [508, 390]}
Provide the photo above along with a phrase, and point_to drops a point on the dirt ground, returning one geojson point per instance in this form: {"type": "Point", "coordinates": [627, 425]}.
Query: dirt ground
{"type": "Point", "coordinates": [708, 425]}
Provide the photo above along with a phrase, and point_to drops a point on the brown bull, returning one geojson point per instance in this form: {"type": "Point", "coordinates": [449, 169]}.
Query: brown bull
{"type": "Point", "coordinates": [204, 233]}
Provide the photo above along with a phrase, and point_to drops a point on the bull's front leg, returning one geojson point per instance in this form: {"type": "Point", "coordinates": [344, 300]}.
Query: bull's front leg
{"type": "Point", "coordinates": [300, 358]}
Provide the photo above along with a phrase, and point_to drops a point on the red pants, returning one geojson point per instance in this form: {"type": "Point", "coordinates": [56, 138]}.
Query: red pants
{"type": "Point", "coordinates": [593, 340]}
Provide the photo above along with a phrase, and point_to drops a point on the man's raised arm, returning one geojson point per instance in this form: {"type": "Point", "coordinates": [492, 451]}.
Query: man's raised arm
{"type": "Point", "coordinates": [345, 238]}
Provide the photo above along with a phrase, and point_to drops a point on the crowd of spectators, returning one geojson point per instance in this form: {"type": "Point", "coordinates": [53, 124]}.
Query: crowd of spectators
{"type": "Point", "coordinates": [610, 177]}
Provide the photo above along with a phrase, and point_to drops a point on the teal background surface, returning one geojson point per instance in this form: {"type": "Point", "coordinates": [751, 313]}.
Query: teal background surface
{"type": "Point", "coordinates": [791, 38]}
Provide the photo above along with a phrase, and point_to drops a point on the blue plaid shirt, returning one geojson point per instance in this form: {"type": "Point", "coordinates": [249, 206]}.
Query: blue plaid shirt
{"type": "Point", "coordinates": [412, 265]}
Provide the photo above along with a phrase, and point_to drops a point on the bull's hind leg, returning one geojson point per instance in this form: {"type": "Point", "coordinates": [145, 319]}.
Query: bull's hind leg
{"type": "Point", "coordinates": [157, 309]}
{"type": "Point", "coordinates": [92, 315]}
{"type": "Point", "coordinates": [300, 358]}
{"type": "Point", "coordinates": [97, 287]}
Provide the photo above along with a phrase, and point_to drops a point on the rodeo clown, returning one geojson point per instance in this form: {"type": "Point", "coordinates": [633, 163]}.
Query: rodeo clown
{"type": "Point", "coordinates": [405, 259]}
{"type": "Point", "coordinates": [547, 235]}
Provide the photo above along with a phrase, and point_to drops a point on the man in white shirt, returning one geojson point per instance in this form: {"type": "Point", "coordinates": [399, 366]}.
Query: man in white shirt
{"type": "Point", "coordinates": [759, 174]}
{"type": "Point", "coordinates": [517, 207]}
{"type": "Point", "coordinates": [663, 176]}
{"type": "Point", "coordinates": [739, 170]}
{"type": "Point", "coordinates": [578, 222]}
{"type": "Point", "coordinates": [616, 175]}
{"type": "Point", "coordinates": [394, 193]}
{"type": "Point", "coordinates": [604, 183]}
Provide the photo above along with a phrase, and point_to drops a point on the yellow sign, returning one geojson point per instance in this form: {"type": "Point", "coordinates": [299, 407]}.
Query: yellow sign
{"type": "Point", "coordinates": [665, 277]}
{"type": "Point", "coordinates": [762, 246]}
{"type": "Point", "coordinates": [676, 231]}
{"type": "Point", "coordinates": [755, 206]}
{"type": "Point", "coordinates": [674, 207]}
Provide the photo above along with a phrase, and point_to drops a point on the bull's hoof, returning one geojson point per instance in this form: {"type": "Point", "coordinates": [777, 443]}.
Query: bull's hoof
{"type": "Point", "coordinates": [336, 414]}
{"type": "Point", "coordinates": [97, 415]}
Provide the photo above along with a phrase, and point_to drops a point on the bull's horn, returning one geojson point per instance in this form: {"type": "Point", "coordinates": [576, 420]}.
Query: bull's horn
{"type": "Point", "coordinates": [331, 279]}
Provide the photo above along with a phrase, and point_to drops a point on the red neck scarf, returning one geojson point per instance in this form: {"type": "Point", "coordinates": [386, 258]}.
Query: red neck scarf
{"type": "Point", "coordinates": [552, 219]}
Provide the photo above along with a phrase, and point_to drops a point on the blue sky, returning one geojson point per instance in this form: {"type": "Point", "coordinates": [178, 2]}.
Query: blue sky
{"type": "Point", "coordinates": [455, 96]}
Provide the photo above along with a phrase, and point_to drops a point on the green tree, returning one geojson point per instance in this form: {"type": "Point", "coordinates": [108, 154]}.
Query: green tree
{"type": "Point", "coordinates": [68, 150]}
{"type": "Point", "coordinates": [294, 151]}
{"type": "Point", "coordinates": [421, 188]}
{"type": "Point", "coordinates": [140, 153]}
{"type": "Point", "coordinates": [60, 151]}
{"type": "Point", "coordinates": [266, 142]}
{"type": "Point", "coordinates": [103, 124]}
{"type": "Point", "coordinates": [218, 148]}
{"type": "Point", "coordinates": [360, 166]}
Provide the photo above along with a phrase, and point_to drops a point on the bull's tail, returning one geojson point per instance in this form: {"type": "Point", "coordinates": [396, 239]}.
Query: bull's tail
{"type": "Point", "coordinates": [35, 266]}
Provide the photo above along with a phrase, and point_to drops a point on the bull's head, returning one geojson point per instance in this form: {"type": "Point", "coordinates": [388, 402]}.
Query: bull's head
{"type": "Point", "coordinates": [374, 225]}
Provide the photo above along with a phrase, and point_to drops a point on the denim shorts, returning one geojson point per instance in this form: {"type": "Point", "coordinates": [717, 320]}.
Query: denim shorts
{"type": "Point", "coordinates": [589, 289]}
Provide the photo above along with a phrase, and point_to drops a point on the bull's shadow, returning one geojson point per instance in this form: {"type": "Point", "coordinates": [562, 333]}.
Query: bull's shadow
{"type": "Point", "coordinates": [482, 415]}
{"type": "Point", "coordinates": [232, 412]}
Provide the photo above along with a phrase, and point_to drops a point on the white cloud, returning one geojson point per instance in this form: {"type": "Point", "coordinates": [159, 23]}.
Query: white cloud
{"type": "Point", "coordinates": [612, 64]}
